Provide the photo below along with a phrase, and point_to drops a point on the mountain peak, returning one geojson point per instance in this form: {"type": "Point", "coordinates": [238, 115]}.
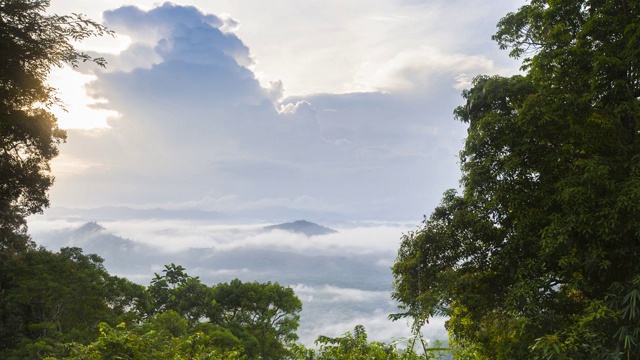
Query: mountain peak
{"type": "Point", "coordinates": [89, 227]}
{"type": "Point", "coordinates": [302, 227]}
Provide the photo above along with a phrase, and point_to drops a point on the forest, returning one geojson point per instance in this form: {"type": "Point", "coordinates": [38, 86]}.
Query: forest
{"type": "Point", "coordinates": [536, 256]}
{"type": "Point", "coordinates": [65, 305]}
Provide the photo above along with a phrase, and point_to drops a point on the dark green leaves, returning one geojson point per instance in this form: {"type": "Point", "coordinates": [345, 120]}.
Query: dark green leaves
{"type": "Point", "coordinates": [542, 246]}
{"type": "Point", "coordinates": [264, 316]}
{"type": "Point", "coordinates": [50, 298]}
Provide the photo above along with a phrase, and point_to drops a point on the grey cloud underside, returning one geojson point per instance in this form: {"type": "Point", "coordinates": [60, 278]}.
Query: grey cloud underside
{"type": "Point", "coordinates": [197, 123]}
{"type": "Point", "coordinates": [181, 32]}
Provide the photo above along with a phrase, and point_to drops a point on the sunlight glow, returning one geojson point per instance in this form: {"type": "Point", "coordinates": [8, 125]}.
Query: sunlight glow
{"type": "Point", "coordinates": [82, 111]}
{"type": "Point", "coordinates": [104, 44]}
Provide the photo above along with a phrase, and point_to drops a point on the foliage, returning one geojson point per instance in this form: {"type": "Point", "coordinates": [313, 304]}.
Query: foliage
{"type": "Point", "coordinates": [66, 306]}
{"type": "Point", "coordinates": [264, 316]}
{"type": "Point", "coordinates": [58, 297]}
{"type": "Point", "coordinates": [31, 44]}
{"type": "Point", "coordinates": [44, 297]}
{"type": "Point", "coordinates": [538, 257]}
{"type": "Point", "coordinates": [122, 343]}
{"type": "Point", "coordinates": [52, 304]}
{"type": "Point", "coordinates": [179, 292]}
{"type": "Point", "coordinates": [355, 346]}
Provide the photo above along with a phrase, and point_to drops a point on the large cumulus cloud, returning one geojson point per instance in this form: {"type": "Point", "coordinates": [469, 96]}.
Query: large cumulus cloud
{"type": "Point", "coordinates": [197, 128]}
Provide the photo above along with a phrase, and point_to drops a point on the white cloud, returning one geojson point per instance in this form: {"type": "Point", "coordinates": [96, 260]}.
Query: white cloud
{"type": "Point", "coordinates": [291, 108]}
{"type": "Point", "coordinates": [333, 294]}
{"type": "Point", "coordinates": [111, 45]}
{"type": "Point", "coordinates": [351, 241]}
{"type": "Point", "coordinates": [171, 235]}
{"type": "Point", "coordinates": [423, 67]}
{"type": "Point", "coordinates": [328, 308]}
{"type": "Point", "coordinates": [292, 40]}
{"type": "Point", "coordinates": [197, 127]}
{"type": "Point", "coordinates": [376, 323]}
{"type": "Point", "coordinates": [229, 24]}
{"type": "Point", "coordinates": [66, 165]}
{"type": "Point", "coordinates": [341, 37]}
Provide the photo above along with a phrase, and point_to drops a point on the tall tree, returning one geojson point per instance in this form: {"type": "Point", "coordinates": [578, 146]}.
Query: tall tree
{"type": "Point", "coordinates": [264, 316]}
{"type": "Point", "coordinates": [31, 44]}
{"type": "Point", "coordinates": [175, 290]}
{"type": "Point", "coordinates": [539, 256]}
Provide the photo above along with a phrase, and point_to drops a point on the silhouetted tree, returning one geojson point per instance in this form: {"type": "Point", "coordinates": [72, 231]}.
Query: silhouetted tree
{"type": "Point", "coordinates": [31, 43]}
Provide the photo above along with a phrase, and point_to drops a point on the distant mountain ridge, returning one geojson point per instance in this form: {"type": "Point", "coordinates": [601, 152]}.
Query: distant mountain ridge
{"type": "Point", "coordinates": [129, 257]}
{"type": "Point", "coordinates": [302, 227]}
{"type": "Point", "coordinates": [93, 238]}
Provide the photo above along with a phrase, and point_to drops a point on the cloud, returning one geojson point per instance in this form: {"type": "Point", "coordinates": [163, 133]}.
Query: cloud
{"type": "Point", "coordinates": [424, 67]}
{"type": "Point", "coordinates": [234, 204]}
{"type": "Point", "coordinates": [291, 108]}
{"type": "Point", "coordinates": [381, 240]}
{"type": "Point", "coordinates": [331, 311]}
{"type": "Point", "coordinates": [375, 322]}
{"type": "Point", "coordinates": [172, 32]}
{"type": "Point", "coordinates": [206, 120]}
{"type": "Point", "coordinates": [348, 39]}
{"type": "Point", "coordinates": [196, 125]}
{"type": "Point", "coordinates": [333, 294]}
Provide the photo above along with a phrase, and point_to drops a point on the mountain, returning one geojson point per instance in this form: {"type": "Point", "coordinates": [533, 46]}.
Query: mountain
{"type": "Point", "coordinates": [302, 227]}
{"type": "Point", "coordinates": [118, 253]}
{"type": "Point", "coordinates": [125, 256]}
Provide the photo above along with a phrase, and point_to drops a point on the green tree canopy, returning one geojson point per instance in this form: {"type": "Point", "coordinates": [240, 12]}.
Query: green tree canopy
{"type": "Point", "coordinates": [177, 291]}
{"type": "Point", "coordinates": [539, 255]}
{"type": "Point", "coordinates": [355, 346]}
{"type": "Point", "coordinates": [59, 297]}
{"type": "Point", "coordinates": [265, 316]}
{"type": "Point", "coordinates": [124, 343]}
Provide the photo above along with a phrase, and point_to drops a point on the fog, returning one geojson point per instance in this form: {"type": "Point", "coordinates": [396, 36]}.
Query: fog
{"type": "Point", "coordinates": [343, 278]}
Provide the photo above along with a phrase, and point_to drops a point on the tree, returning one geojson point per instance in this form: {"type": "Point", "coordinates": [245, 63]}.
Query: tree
{"type": "Point", "coordinates": [355, 346]}
{"type": "Point", "coordinates": [179, 292]}
{"type": "Point", "coordinates": [264, 316]}
{"type": "Point", "coordinates": [31, 44]}
{"type": "Point", "coordinates": [123, 343]}
{"type": "Point", "coordinates": [59, 297]}
{"type": "Point", "coordinates": [538, 257]}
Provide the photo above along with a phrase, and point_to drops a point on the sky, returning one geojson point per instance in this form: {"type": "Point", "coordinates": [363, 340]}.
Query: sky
{"type": "Point", "coordinates": [255, 112]}
{"type": "Point", "coordinates": [329, 109]}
